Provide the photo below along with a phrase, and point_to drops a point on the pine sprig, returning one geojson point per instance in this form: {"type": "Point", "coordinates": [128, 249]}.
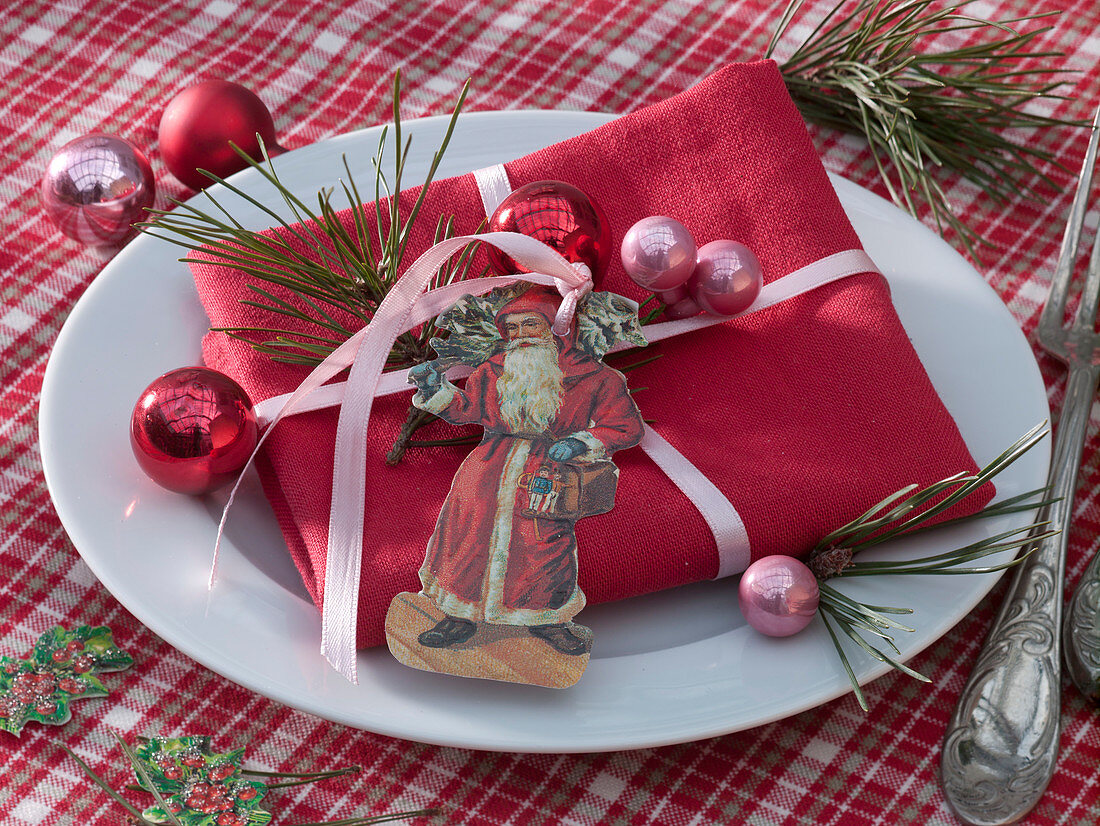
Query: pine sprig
{"type": "Point", "coordinates": [880, 68]}
{"type": "Point", "coordinates": [331, 271]}
{"type": "Point", "coordinates": [346, 273]}
{"type": "Point", "coordinates": [905, 513]}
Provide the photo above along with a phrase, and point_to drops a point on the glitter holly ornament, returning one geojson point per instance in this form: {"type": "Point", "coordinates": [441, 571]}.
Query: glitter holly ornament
{"type": "Point", "coordinates": [727, 278]}
{"type": "Point", "coordinates": [559, 215]}
{"type": "Point", "coordinates": [193, 430]}
{"type": "Point", "coordinates": [201, 121]}
{"type": "Point", "coordinates": [778, 595]}
{"type": "Point", "coordinates": [96, 187]}
{"type": "Point", "coordinates": [64, 666]}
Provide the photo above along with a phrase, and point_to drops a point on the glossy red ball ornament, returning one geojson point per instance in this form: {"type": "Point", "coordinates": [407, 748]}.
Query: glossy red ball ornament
{"type": "Point", "coordinates": [559, 215]}
{"type": "Point", "coordinates": [199, 123]}
{"type": "Point", "coordinates": [193, 430]}
{"type": "Point", "coordinates": [95, 187]}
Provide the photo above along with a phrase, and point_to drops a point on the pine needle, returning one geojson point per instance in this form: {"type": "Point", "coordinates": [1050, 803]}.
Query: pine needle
{"type": "Point", "coordinates": [346, 271]}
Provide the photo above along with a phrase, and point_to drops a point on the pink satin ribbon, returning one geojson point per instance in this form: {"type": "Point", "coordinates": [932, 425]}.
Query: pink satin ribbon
{"type": "Point", "coordinates": [406, 306]}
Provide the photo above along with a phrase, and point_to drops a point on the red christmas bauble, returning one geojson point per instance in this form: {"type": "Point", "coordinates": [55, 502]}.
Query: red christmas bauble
{"type": "Point", "coordinates": [559, 215]}
{"type": "Point", "coordinates": [199, 123]}
{"type": "Point", "coordinates": [193, 430]}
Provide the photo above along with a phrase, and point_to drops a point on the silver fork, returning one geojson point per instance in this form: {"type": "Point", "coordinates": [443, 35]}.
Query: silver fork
{"type": "Point", "coordinates": [1002, 741]}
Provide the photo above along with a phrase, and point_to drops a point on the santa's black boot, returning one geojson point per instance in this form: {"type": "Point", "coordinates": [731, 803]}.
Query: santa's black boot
{"type": "Point", "coordinates": [448, 632]}
{"type": "Point", "coordinates": [560, 637]}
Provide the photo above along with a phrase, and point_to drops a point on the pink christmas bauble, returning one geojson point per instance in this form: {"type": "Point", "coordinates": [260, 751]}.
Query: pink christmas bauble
{"type": "Point", "coordinates": [727, 278]}
{"type": "Point", "coordinates": [96, 187]}
{"type": "Point", "coordinates": [778, 595]}
{"type": "Point", "coordinates": [559, 215]}
{"type": "Point", "coordinates": [193, 430]}
{"type": "Point", "coordinates": [678, 304]}
{"type": "Point", "coordinates": [658, 253]}
{"type": "Point", "coordinates": [199, 123]}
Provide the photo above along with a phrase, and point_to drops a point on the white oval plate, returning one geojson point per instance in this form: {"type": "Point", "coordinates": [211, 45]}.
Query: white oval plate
{"type": "Point", "coordinates": [672, 667]}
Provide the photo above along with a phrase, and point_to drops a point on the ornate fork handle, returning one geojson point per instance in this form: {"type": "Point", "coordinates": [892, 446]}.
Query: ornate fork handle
{"type": "Point", "coordinates": [1002, 741]}
{"type": "Point", "coordinates": [1081, 634]}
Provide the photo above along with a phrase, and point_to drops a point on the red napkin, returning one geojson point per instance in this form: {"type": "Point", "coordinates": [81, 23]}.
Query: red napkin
{"type": "Point", "coordinates": [803, 415]}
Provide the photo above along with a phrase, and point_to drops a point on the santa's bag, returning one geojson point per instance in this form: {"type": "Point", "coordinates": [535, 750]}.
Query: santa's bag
{"type": "Point", "coordinates": [586, 490]}
{"type": "Point", "coordinates": [801, 416]}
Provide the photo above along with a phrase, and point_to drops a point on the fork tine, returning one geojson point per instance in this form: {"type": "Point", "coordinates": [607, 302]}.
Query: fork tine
{"type": "Point", "coordinates": [1055, 308]}
{"type": "Point", "coordinates": [1085, 318]}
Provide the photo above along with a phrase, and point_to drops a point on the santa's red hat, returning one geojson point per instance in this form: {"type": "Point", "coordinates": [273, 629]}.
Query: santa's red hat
{"type": "Point", "coordinates": [537, 299]}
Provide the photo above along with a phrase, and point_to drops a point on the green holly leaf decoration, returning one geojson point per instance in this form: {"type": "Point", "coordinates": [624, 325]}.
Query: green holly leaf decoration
{"type": "Point", "coordinates": [471, 321]}
{"type": "Point", "coordinates": [607, 319]}
{"type": "Point", "coordinates": [199, 787]}
{"type": "Point", "coordinates": [61, 668]}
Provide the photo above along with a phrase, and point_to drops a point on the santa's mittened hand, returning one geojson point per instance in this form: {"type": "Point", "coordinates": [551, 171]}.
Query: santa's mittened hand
{"type": "Point", "coordinates": [426, 377]}
{"type": "Point", "coordinates": [565, 449]}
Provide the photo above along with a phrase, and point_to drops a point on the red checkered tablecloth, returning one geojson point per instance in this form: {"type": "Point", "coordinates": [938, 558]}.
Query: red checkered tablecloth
{"type": "Point", "coordinates": [72, 67]}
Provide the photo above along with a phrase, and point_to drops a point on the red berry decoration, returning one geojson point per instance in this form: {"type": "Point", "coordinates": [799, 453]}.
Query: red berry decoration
{"type": "Point", "coordinates": [199, 123]}
{"type": "Point", "coordinates": [221, 772]}
{"type": "Point", "coordinates": [73, 686]}
{"type": "Point", "coordinates": [193, 430]}
{"type": "Point", "coordinates": [559, 215]}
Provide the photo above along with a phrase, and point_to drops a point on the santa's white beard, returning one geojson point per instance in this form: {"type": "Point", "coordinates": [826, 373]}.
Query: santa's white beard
{"type": "Point", "coordinates": [530, 388]}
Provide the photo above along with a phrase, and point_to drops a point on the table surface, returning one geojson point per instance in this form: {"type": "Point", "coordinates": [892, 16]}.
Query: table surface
{"type": "Point", "coordinates": [72, 67]}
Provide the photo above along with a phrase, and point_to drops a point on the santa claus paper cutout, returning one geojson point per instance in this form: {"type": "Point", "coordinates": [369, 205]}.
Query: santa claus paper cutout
{"type": "Point", "coordinates": [500, 572]}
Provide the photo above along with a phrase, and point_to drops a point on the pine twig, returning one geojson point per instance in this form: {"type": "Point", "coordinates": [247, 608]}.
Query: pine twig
{"type": "Point", "coordinates": [907, 512]}
{"type": "Point", "coordinates": [346, 271]}
{"type": "Point", "coordinates": [879, 69]}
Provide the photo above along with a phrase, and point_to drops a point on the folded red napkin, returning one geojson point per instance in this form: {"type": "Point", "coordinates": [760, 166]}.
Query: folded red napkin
{"type": "Point", "coordinates": [804, 414]}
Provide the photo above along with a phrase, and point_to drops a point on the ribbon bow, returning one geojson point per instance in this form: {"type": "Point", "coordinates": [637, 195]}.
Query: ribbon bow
{"type": "Point", "coordinates": [571, 295]}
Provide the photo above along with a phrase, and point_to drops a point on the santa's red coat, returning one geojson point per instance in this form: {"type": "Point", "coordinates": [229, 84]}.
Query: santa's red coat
{"type": "Point", "coordinates": [486, 561]}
